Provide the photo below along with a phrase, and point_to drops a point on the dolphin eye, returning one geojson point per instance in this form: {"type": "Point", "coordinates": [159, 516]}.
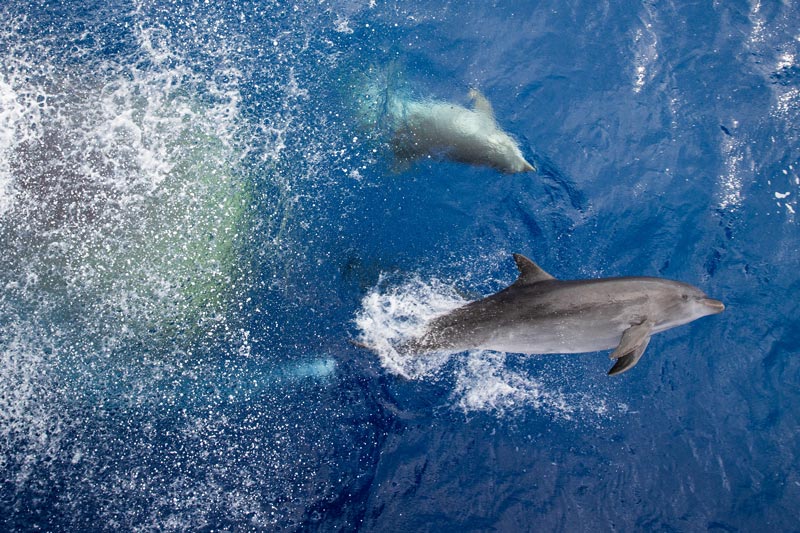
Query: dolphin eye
{"type": "Point", "coordinates": [685, 297]}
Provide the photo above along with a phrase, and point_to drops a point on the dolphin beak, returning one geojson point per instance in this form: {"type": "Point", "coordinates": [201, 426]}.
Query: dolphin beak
{"type": "Point", "coordinates": [527, 167]}
{"type": "Point", "coordinates": [714, 305]}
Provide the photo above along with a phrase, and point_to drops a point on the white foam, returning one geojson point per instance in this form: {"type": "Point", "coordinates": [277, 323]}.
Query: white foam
{"type": "Point", "coordinates": [10, 114]}
{"type": "Point", "coordinates": [645, 49]}
{"type": "Point", "coordinates": [485, 383]}
{"type": "Point", "coordinates": [123, 201]}
{"type": "Point", "coordinates": [738, 164]}
{"type": "Point", "coordinates": [785, 60]}
{"type": "Point", "coordinates": [787, 103]}
{"type": "Point", "coordinates": [133, 272]}
{"type": "Point", "coordinates": [29, 418]}
{"type": "Point", "coordinates": [388, 319]}
{"type": "Point", "coordinates": [342, 25]}
{"type": "Point", "coordinates": [758, 22]}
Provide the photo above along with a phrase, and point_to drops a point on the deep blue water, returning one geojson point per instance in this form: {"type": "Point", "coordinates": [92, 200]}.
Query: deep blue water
{"type": "Point", "coordinates": [193, 217]}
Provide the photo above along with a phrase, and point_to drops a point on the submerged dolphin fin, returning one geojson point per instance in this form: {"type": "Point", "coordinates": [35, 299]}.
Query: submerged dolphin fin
{"type": "Point", "coordinates": [631, 347]}
{"type": "Point", "coordinates": [529, 272]}
{"type": "Point", "coordinates": [480, 103]}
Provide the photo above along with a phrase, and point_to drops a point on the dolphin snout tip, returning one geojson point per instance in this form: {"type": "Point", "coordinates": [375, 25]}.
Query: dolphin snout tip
{"type": "Point", "coordinates": [715, 305]}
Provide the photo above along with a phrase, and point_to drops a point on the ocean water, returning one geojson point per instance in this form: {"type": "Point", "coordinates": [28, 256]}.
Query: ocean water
{"type": "Point", "coordinates": [200, 208]}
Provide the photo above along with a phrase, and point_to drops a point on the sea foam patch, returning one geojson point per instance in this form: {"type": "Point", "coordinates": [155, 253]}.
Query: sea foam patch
{"type": "Point", "coordinates": [132, 176]}
{"type": "Point", "coordinates": [122, 208]}
{"type": "Point", "coordinates": [10, 114]}
{"type": "Point", "coordinates": [397, 314]}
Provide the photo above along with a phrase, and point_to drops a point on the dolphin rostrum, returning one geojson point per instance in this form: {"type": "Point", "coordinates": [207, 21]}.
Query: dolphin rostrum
{"type": "Point", "coordinates": [540, 314]}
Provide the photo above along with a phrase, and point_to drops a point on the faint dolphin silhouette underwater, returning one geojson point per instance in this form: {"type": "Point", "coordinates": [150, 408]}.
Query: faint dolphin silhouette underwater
{"type": "Point", "coordinates": [433, 128]}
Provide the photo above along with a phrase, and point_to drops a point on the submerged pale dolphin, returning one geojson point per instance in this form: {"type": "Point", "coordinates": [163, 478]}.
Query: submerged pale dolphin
{"type": "Point", "coordinates": [435, 128]}
{"type": "Point", "coordinates": [540, 314]}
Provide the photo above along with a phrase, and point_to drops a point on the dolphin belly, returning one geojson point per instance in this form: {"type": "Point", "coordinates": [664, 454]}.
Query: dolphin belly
{"type": "Point", "coordinates": [555, 336]}
{"type": "Point", "coordinates": [442, 129]}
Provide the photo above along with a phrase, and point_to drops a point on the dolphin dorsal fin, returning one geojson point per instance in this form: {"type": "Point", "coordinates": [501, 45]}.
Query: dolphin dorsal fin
{"type": "Point", "coordinates": [480, 103]}
{"type": "Point", "coordinates": [529, 272]}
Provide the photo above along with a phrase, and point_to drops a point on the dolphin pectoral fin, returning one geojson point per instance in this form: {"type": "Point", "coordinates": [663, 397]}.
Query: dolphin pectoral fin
{"type": "Point", "coordinates": [632, 345]}
{"type": "Point", "coordinates": [629, 360]}
{"type": "Point", "coordinates": [631, 338]}
{"type": "Point", "coordinates": [480, 103]}
{"type": "Point", "coordinates": [529, 272]}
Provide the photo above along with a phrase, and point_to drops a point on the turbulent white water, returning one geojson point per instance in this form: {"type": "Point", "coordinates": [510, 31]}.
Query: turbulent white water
{"type": "Point", "coordinates": [122, 191]}
{"type": "Point", "coordinates": [143, 204]}
{"type": "Point", "coordinates": [123, 209]}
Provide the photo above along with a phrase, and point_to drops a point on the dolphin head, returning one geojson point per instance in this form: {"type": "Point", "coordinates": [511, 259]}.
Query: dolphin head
{"type": "Point", "coordinates": [505, 154]}
{"type": "Point", "coordinates": [682, 303]}
{"type": "Point", "coordinates": [698, 303]}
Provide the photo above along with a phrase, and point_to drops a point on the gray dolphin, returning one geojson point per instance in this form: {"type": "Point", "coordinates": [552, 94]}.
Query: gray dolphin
{"type": "Point", "coordinates": [472, 136]}
{"type": "Point", "coordinates": [540, 314]}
